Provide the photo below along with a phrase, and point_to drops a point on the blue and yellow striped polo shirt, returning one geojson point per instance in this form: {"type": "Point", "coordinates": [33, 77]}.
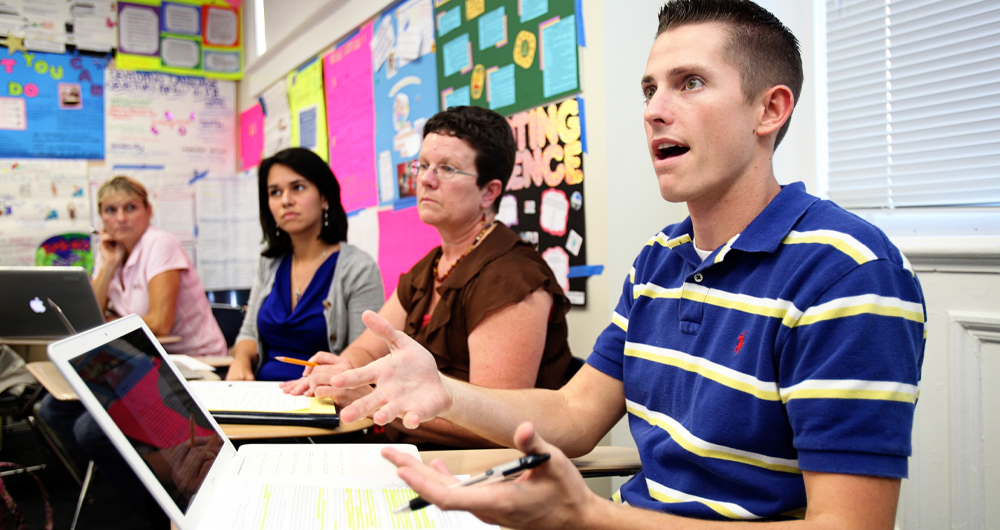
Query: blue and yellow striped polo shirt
{"type": "Point", "coordinates": [795, 346]}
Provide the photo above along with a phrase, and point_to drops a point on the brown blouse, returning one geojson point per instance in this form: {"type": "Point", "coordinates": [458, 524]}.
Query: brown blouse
{"type": "Point", "coordinates": [501, 270]}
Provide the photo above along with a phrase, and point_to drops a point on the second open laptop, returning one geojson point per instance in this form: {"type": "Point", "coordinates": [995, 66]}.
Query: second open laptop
{"type": "Point", "coordinates": [193, 470]}
{"type": "Point", "coordinates": [25, 312]}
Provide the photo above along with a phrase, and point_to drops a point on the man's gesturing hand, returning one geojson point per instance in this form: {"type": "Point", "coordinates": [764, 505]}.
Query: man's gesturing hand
{"type": "Point", "coordinates": [407, 382]}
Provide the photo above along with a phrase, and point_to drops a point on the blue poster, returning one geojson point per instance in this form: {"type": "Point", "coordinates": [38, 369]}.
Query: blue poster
{"type": "Point", "coordinates": [404, 99]}
{"type": "Point", "coordinates": [52, 105]}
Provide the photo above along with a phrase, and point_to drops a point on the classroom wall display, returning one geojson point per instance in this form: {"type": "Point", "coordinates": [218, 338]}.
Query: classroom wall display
{"type": "Point", "coordinates": [405, 83]}
{"type": "Point", "coordinates": [45, 213]}
{"type": "Point", "coordinates": [183, 37]}
{"type": "Point", "coordinates": [506, 55]}
{"type": "Point", "coordinates": [307, 108]}
{"type": "Point", "coordinates": [403, 239]}
{"type": "Point", "coordinates": [229, 235]}
{"type": "Point", "coordinates": [48, 26]}
{"type": "Point", "coordinates": [184, 123]}
{"type": "Point", "coordinates": [52, 105]}
{"type": "Point", "coordinates": [251, 136]}
{"type": "Point", "coordinates": [543, 200]}
{"type": "Point", "coordinates": [350, 119]}
{"type": "Point", "coordinates": [277, 118]}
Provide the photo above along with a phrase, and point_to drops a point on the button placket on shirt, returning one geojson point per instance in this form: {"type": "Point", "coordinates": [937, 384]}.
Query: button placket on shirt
{"type": "Point", "coordinates": [691, 304]}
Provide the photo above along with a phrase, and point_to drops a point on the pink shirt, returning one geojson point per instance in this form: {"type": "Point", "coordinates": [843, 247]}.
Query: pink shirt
{"type": "Point", "coordinates": [157, 252]}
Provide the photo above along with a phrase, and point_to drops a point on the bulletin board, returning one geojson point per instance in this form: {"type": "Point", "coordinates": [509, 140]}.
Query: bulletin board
{"type": "Point", "coordinates": [405, 95]}
{"type": "Point", "coordinates": [52, 105]}
{"type": "Point", "coordinates": [543, 201]}
{"type": "Point", "coordinates": [506, 55]}
{"type": "Point", "coordinates": [45, 213]}
{"type": "Point", "coordinates": [183, 37]}
{"type": "Point", "coordinates": [185, 123]}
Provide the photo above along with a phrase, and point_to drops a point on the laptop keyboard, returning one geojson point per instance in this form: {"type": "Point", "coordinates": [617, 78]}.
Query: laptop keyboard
{"type": "Point", "coordinates": [285, 460]}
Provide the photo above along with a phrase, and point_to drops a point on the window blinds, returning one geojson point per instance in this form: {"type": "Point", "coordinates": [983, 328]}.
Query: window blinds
{"type": "Point", "coordinates": [913, 102]}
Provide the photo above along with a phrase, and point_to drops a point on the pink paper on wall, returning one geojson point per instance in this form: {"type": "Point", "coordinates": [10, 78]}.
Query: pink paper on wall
{"type": "Point", "coordinates": [403, 239]}
{"type": "Point", "coordinates": [350, 118]}
{"type": "Point", "coordinates": [251, 136]}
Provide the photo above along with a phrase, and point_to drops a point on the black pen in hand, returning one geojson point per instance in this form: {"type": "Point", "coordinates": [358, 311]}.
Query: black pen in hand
{"type": "Point", "coordinates": [507, 470]}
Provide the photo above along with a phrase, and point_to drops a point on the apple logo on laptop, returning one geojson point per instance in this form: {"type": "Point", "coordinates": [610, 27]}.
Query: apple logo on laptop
{"type": "Point", "coordinates": [37, 305]}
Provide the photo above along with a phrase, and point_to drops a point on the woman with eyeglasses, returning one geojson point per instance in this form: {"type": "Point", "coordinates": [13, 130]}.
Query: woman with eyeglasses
{"type": "Point", "coordinates": [311, 286]}
{"type": "Point", "coordinates": [484, 302]}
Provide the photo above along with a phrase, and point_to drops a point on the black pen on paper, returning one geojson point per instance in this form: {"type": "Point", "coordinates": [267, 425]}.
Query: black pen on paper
{"type": "Point", "coordinates": [502, 471]}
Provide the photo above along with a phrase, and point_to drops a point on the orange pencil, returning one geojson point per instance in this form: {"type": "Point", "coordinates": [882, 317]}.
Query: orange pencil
{"type": "Point", "coordinates": [292, 360]}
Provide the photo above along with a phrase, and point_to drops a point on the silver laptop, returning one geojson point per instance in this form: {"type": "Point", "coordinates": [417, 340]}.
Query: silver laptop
{"type": "Point", "coordinates": [192, 469]}
{"type": "Point", "coordinates": [25, 311]}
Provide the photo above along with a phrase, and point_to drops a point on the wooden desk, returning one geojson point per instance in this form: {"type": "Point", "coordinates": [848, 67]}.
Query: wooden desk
{"type": "Point", "coordinates": [53, 381]}
{"type": "Point", "coordinates": [47, 374]}
{"type": "Point", "coordinates": [168, 339]}
{"type": "Point", "coordinates": [603, 461]}
{"type": "Point", "coordinates": [260, 432]}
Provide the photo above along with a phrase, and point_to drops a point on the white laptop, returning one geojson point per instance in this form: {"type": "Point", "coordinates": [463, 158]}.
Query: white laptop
{"type": "Point", "coordinates": [195, 473]}
{"type": "Point", "coordinates": [25, 311]}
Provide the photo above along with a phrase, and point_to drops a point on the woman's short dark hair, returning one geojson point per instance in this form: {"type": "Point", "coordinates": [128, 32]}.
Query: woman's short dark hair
{"type": "Point", "coordinates": [315, 170]}
{"type": "Point", "coordinates": [489, 135]}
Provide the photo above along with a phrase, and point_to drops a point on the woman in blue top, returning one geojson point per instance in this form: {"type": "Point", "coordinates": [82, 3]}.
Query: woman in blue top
{"type": "Point", "coordinates": [311, 287]}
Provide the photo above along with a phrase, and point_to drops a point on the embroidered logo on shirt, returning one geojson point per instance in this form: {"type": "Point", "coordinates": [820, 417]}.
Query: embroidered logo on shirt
{"type": "Point", "coordinates": [739, 345]}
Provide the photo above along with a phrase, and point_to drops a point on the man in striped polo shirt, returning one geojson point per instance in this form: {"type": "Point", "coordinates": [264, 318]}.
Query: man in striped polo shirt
{"type": "Point", "coordinates": [766, 350]}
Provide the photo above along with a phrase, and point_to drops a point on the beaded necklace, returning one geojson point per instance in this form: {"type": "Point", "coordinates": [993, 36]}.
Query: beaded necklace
{"type": "Point", "coordinates": [464, 254]}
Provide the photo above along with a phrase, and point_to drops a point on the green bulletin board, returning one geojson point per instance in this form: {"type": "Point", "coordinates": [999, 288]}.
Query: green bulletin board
{"type": "Point", "coordinates": [506, 55]}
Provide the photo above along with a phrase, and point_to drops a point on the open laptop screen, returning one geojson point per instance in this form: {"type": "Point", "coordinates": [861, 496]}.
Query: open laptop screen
{"type": "Point", "coordinates": [153, 410]}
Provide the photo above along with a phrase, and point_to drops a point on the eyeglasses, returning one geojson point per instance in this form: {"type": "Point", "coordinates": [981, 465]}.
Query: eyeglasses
{"type": "Point", "coordinates": [441, 171]}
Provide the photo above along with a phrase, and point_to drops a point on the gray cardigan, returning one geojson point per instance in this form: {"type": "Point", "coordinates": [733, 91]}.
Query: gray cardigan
{"type": "Point", "coordinates": [356, 287]}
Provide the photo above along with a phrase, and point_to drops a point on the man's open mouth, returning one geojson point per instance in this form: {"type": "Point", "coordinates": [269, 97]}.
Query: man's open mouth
{"type": "Point", "coordinates": [669, 150]}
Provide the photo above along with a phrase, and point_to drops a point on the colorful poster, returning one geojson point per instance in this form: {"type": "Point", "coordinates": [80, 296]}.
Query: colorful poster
{"type": "Point", "coordinates": [45, 213]}
{"type": "Point", "coordinates": [350, 119]}
{"type": "Point", "coordinates": [185, 123]}
{"type": "Point", "coordinates": [543, 201]}
{"type": "Point", "coordinates": [277, 118]}
{"type": "Point", "coordinates": [509, 55]}
{"type": "Point", "coordinates": [251, 136]}
{"type": "Point", "coordinates": [183, 37]}
{"type": "Point", "coordinates": [404, 99]}
{"type": "Point", "coordinates": [307, 109]}
{"type": "Point", "coordinates": [52, 105]}
{"type": "Point", "coordinates": [403, 240]}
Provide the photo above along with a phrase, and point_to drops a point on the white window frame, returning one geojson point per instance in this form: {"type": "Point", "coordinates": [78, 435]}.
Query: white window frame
{"type": "Point", "coordinates": [958, 239]}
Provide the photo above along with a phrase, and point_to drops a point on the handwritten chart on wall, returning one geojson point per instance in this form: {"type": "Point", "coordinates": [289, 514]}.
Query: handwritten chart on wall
{"type": "Point", "coordinates": [350, 118]}
{"type": "Point", "coordinates": [52, 105]}
{"type": "Point", "coordinates": [506, 55]}
{"type": "Point", "coordinates": [543, 201]}
{"type": "Point", "coordinates": [44, 213]}
{"type": "Point", "coordinates": [405, 93]}
{"type": "Point", "coordinates": [185, 123]}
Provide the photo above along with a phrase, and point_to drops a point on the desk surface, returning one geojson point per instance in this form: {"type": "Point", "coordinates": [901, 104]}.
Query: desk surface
{"type": "Point", "coordinates": [47, 374]}
{"type": "Point", "coordinates": [13, 341]}
{"type": "Point", "coordinates": [602, 461]}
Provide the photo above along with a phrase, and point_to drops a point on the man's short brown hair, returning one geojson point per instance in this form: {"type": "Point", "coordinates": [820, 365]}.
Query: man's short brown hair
{"type": "Point", "coordinates": [763, 50]}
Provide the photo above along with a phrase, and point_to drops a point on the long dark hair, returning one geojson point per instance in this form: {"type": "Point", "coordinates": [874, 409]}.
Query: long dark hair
{"type": "Point", "coordinates": [315, 170]}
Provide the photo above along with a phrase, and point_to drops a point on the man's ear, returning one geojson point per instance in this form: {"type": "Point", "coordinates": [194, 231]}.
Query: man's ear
{"type": "Point", "coordinates": [776, 106]}
{"type": "Point", "coordinates": [491, 191]}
